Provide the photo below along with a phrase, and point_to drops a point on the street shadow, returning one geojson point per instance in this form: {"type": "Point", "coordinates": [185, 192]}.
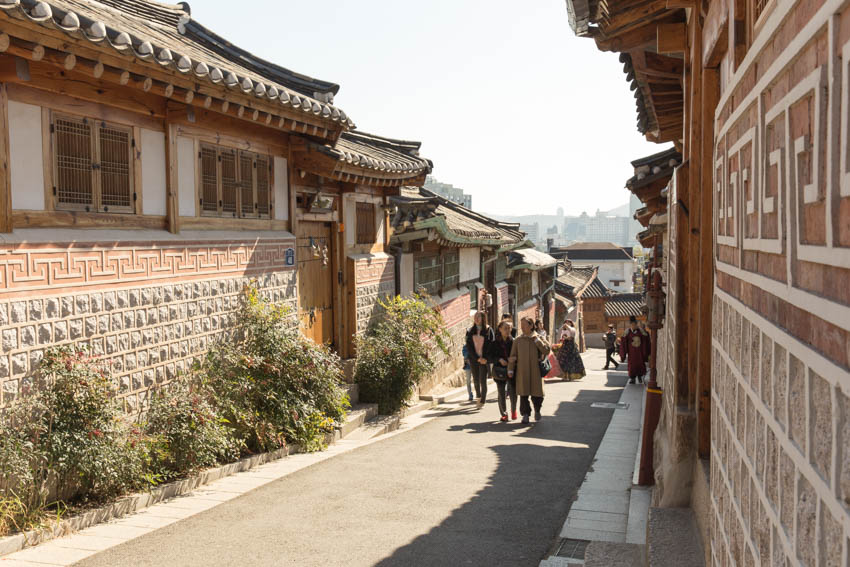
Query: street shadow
{"type": "Point", "coordinates": [514, 519]}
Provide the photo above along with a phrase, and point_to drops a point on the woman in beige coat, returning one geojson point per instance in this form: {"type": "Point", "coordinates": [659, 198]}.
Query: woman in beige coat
{"type": "Point", "coordinates": [524, 365]}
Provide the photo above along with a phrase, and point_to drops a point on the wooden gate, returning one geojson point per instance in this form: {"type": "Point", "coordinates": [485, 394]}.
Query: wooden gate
{"type": "Point", "coordinates": [315, 283]}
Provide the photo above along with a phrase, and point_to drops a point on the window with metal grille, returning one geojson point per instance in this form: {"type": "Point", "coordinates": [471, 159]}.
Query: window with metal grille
{"type": "Point", "coordinates": [234, 183]}
{"type": "Point", "coordinates": [523, 287]}
{"type": "Point", "coordinates": [451, 268]}
{"type": "Point", "coordinates": [427, 274]}
{"type": "Point", "coordinates": [93, 165]}
{"type": "Point", "coordinates": [366, 233]}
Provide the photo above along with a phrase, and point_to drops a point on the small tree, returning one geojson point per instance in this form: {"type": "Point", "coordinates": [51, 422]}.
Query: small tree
{"type": "Point", "coordinates": [395, 353]}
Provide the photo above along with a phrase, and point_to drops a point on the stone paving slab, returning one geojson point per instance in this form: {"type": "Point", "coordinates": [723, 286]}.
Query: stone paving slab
{"type": "Point", "coordinates": [601, 509]}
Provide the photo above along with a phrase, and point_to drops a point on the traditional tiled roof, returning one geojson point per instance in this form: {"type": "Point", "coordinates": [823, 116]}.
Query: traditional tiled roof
{"type": "Point", "coordinates": [362, 153]}
{"type": "Point", "coordinates": [453, 224]}
{"type": "Point", "coordinates": [572, 282]}
{"type": "Point", "coordinates": [529, 258]}
{"type": "Point", "coordinates": [168, 36]}
{"type": "Point", "coordinates": [624, 305]}
{"type": "Point", "coordinates": [652, 168]}
{"type": "Point", "coordinates": [588, 252]}
{"type": "Point", "coordinates": [596, 289]}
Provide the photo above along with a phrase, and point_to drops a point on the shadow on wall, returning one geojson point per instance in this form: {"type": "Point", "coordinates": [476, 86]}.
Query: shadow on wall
{"type": "Point", "coordinates": [516, 518]}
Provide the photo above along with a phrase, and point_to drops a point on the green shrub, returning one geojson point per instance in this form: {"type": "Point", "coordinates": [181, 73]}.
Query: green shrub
{"type": "Point", "coordinates": [394, 354]}
{"type": "Point", "coordinates": [186, 433]}
{"type": "Point", "coordinates": [271, 384]}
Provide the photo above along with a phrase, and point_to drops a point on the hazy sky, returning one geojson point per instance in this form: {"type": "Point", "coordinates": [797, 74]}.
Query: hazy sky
{"type": "Point", "coordinates": [506, 101]}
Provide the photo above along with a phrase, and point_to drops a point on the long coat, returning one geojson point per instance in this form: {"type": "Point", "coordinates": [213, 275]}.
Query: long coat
{"type": "Point", "coordinates": [634, 346]}
{"type": "Point", "coordinates": [526, 353]}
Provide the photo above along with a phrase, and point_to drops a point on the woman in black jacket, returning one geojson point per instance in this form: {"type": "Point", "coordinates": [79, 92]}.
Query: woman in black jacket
{"type": "Point", "coordinates": [479, 340]}
{"type": "Point", "coordinates": [499, 356]}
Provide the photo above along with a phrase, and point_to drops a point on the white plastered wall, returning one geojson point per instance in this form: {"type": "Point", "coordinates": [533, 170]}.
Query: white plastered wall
{"type": "Point", "coordinates": [186, 176]}
{"type": "Point", "coordinates": [470, 264]}
{"type": "Point", "coordinates": [26, 156]}
{"type": "Point", "coordinates": [153, 172]}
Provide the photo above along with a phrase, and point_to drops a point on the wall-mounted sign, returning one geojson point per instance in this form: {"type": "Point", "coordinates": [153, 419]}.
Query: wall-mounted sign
{"type": "Point", "coordinates": [289, 257]}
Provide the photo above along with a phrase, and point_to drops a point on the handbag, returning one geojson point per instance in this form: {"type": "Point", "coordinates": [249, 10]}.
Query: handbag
{"type": "Point", "coordinates": [545, 367]}
{"type": "Point", "coordinates": [500, 372]}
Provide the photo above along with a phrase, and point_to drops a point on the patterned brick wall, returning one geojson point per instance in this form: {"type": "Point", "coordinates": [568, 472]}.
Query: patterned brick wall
{"type": "Point", "coordinates": [457, 320]}
{"type": "Point", "coordinates": [503, 301]}
{"type": "Point", "coordinates": [374, 280]}
{"type": "Point", "coordinates": [780, 440]}
{"type": "Point", "coordinates": [149, 309]}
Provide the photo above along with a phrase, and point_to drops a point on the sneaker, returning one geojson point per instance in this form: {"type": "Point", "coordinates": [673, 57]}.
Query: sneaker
{"type": "Point", "coordinates": [513, 415]}
{"type": "Point", "coordinates": [525, 419]}
{"type": "Point", "coordinates": [504, 417]}
{"type": "Point", "coordinates": [470, 397]}
{"type": "Point", "coordinates": [537, 416]}
{"type": "Point", "coordinates": [631, 380]}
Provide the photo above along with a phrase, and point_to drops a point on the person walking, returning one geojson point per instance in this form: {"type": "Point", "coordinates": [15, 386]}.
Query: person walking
{"type": "Point", "coordinates": [569, 358]}
{"type": "Point", "coordinates": [524, 366]}
{"type": "Point", "coordinates": [478, 343]}
{"type": "Point", "coordinates": [500, 354]}
{"type": "Point", "coordinates": [540, 330]}
{"type": "Point", "coordinates": [510, 319]}
{"type": "Point", "coordinates": [610, 339]}
{"type": "Point", "coordinates": [467, 370]}
{"type": "Point", "coordinates": [633, 349]}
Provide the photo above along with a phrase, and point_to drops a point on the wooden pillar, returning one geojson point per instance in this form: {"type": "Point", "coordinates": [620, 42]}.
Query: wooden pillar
{"type": "Point", "coordinates": [710, 90]}
{"type": "Point", "coordinates": [5, 163]}
{"type": "Point", "coordinates": [171, 186]}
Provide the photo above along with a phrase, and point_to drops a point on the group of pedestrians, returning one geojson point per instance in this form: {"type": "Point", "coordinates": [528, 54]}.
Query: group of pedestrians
{"type": "Point", "coordinates": [634, 348]}
{"type": "Point", "coordinates": [517, 361]}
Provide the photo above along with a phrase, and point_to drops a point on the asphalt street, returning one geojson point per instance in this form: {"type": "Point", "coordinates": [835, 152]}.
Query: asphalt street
{"type": "Point", "coordinates": [462, 489]}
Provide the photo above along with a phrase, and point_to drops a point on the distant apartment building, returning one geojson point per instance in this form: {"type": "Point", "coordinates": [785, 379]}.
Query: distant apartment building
{"type": "Point", "coordinates": [449, 191]}
{"type": "Point", "coordinates": [532, 231]}
{"type": "Point", "coordinates": [616, 264]}
{"type": "Point", "coordinates": [599, 228]}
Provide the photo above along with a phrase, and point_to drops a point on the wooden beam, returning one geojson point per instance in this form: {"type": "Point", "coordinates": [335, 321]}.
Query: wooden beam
{"type": "Point", "coordinates": [637, 16]}
{"type": "Point", "coordinates": [715, 34]}
{"type": "Point", "coordinates": [5, 163]}
{"type": "Point", "coordinates": [171, 187]}
{"type": "Point", "coordinates": [79, 219]}
{"type": "Point", "coordinates": [642, 37]}
{"type": "Point", "coordinates": [672, 38]}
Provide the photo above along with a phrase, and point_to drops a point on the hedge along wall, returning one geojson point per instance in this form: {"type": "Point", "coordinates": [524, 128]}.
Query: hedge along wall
{"type": "Point", "coordinates": [149, 308]}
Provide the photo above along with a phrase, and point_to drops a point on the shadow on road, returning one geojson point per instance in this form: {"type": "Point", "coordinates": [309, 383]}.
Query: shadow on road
{"type": "Point", "coordinates": [515, 518]}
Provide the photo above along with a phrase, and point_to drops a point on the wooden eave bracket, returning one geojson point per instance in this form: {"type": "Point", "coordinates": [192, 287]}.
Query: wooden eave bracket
{"type": "Point", "coordinates": [672, 38]}
{"type": "Point", "coordinates": [715, 34]}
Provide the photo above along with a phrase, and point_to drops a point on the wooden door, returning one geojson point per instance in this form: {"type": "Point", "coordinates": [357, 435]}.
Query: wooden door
{"type": "Point", "coordinates": [315, 281]}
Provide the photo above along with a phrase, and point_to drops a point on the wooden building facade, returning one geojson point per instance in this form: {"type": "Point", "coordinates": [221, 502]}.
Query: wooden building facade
{"type": "Point", "coordinates": [753, 354]}
{"type": "Point", "coordinates": [150, 169]}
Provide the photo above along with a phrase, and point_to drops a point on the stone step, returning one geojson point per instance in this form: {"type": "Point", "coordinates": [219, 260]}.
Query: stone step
{"type": "Point", "coordinates": [374, 427]}
{"type": "Point", "coordinates": [639, 500]}
{"type": "Point", "coordinates": [417, 407]}
{"type": "Point", "coordinates": [556, 561]}
{"type": "Point", "coordinates": [357, 416]}
{"type": "Point", "coordinates": [353, 393]}
{"type": "Point", "coordinates": [673, 539]}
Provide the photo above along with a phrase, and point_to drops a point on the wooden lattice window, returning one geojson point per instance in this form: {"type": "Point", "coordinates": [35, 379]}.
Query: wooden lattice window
{"type": "Point", "coordinates": [427, 274]}
{"type": "Point", "coordinates": [234, 183]}
{"type": "Point", "coordinates": [92, 165]}
{"type": "Point", "coordinates": [523, 287]}
{"type": "Point", "coordinates": [451, 268]}
{"type": "Point", "coordinates": [366, 233]}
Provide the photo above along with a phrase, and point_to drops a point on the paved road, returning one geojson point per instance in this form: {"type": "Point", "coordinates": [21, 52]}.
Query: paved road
{"type": "Point", "coordinates": [463, 489]}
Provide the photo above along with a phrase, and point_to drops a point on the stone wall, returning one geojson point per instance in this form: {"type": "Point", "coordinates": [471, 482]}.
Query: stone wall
{"type": "Point", "coordinates": [374, 280]}
{"type": "Point", "coordinates": [780, 439]}
{"type": "Point", "coordinates": [457, 321]}
{"type": "Point", "coordinates": [147, 308]}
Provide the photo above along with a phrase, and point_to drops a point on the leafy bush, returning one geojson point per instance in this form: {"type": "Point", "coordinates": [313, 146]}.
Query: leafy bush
{"type": "Point", "coordinates": [186, 432]}
{"type": "Point", "coordinates": [67, 441]}
{"type": "Point", "coordinates": [394, 354]}
{"type": "Point", "coordinates": [272, 384]}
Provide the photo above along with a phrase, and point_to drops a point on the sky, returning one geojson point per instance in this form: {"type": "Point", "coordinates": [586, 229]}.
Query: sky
{"type": "Point", "coordinates": [507, 102]}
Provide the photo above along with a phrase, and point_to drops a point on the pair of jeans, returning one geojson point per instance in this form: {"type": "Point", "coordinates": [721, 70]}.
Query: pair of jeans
{"type": "Point", "coordinates": [609, 357]}
{"type": "Point", "coordinates": [525, 407]}
{"type": "Point", "coordinates": [506, 388]}
{"type": "Point", "coordinates": [468, 372]}
{"type": "Point", "coordinates": [479, 378]}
